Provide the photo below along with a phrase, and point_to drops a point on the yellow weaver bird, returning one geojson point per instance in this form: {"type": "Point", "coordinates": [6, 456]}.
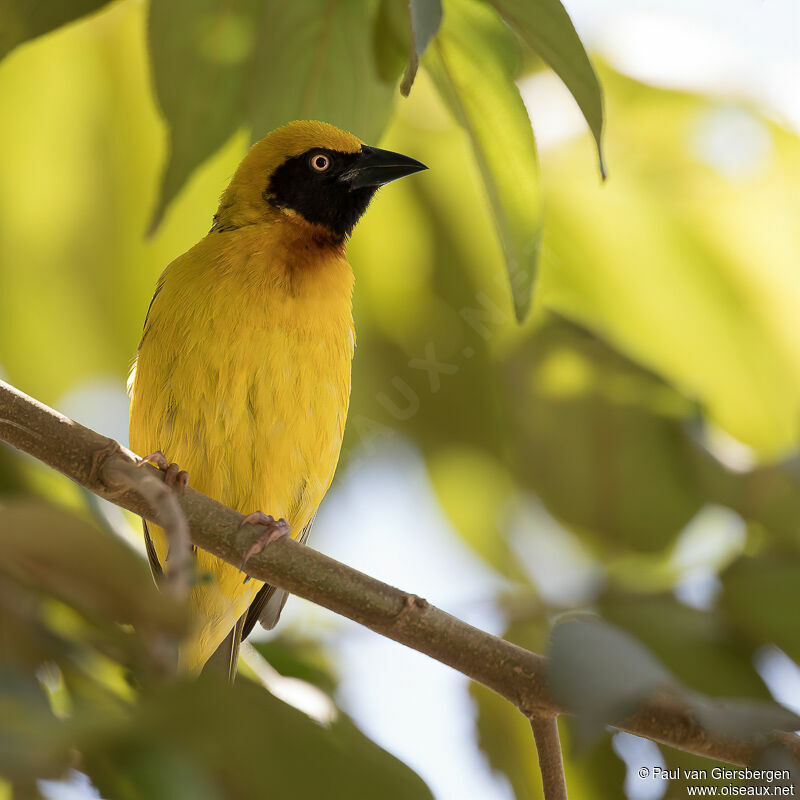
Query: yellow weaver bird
{"type": "Point", "coordinates": [243, 370]}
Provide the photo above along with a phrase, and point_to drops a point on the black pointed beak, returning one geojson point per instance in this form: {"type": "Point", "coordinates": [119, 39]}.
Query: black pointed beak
{"type": "Point", "coordinates": [375, 167]}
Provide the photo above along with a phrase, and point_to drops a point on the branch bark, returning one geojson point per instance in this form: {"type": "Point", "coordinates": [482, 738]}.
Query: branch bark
{"type": "Point", "coordinates": [102, 466]}
{"type": "Point", "coordinates": [551, 763]}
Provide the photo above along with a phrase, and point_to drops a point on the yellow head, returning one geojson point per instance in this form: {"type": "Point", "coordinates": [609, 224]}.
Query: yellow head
{"type": "Point", "coordinates": [311, 171]}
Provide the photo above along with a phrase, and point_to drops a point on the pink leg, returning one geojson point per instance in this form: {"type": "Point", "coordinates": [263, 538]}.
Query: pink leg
{"type": "Point", "coordinates": [273, 529]}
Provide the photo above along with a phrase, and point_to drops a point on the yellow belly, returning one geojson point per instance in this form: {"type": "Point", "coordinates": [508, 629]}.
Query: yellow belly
{"type": "Point", "coordinates": [243, 379]}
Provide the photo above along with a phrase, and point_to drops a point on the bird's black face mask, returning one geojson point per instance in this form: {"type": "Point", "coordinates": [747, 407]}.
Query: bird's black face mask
{"type": "Point", "coordinates": [333, 189]}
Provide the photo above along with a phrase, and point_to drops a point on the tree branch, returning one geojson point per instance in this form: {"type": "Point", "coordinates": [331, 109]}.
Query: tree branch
{"type": "Point", "coordinates": [100, 465]}
{"type": "Point", "coordinates": [551, 764]}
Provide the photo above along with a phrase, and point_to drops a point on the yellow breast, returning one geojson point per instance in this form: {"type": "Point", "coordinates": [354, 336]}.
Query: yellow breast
{"type": "Point", "coordinates": [243, 379]}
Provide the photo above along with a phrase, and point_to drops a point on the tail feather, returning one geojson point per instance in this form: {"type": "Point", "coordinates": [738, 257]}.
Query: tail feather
{"type": "Point", "coordinates": [226, 657]}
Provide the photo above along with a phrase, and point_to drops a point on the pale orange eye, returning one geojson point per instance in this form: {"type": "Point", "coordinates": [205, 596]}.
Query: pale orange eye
{"type": "Point", "coordinates": [320, 162]}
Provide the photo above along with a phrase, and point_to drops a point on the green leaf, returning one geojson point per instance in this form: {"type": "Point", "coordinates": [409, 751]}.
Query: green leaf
{"type": "Point", "coordinates": [701, 648]}
{"type": "Point", "coordinates": [260, 747]}
{"type": "Point", "coordinates": [222, 65]}
{"type": "Point", "coordinates": [26, 19]}
{"type": "Point", "coordinates": [403, 30]}
{"type": "Point", "coordinates": [299, 658]}
{"type": "Point", "coordinates": [739, 359]}
{"type": "Point", "coordinates": [11, 477]}
{"type": "Point", "coordinates": [201, 52]}
{"type": "Point", "coordinates": [426, 18]}
{"type": "Point", "coordinates": [504, 735]}
{"type": "Point", "coordinates": [742, 719]}
{"type": "Point", "coordinates": [546, 27]}
{"type": "Point", "coordinates": [773, 579]}
{"type": "Point", "coordinates": [391, 39]}
{"type": "Point", "coordinates": [59, 554]}
{"type": "Point", "coordinates": [600, 672]}
{"type": "Point", "coordinates": [314, 60]}
{"type": "Point", "coordinates": [587, 422]}
{"type": "Point", "coordinates": [32, 739]}
{"type": "Point", "coordinates": [472, 63]}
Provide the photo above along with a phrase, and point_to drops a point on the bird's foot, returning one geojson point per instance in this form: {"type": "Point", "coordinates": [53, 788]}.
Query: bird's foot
{"type": "Point", "coordinates": [273, 529]}
{"type": "Point", "coordinates": [174, 477]}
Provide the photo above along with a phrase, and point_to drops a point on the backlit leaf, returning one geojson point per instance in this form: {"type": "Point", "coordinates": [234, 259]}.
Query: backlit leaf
{"type": "Point", "coordinates": [61, 555]}
{"type": "Point", "coordinates": [472, 62]}
{"type": "Point", "coordinates": [774, 580]}
{"type": "Point", "coordinates": [701, 648]}
{"type": "Point", "coordinates": [25, 19]}
{"type": "Point", "coordinates": [262, 747]}
{"type": "Point", "coordinates": [546, 27]}
{"type": "Point", "coordinates": [426, 17]}
{"type": "Point", "coordinates": [314, 60]}
{"type": "Point", "coordinates": [201, 51]}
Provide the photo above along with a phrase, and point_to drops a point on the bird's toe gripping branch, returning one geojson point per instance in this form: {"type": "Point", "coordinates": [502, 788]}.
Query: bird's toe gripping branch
{"type": "Point", "coordinates": [273, 529]}
{"type": "Point", "coordinates": [175, 477]}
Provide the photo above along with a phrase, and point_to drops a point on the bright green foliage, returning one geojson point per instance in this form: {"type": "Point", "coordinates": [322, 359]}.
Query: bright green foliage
{"type": "Point", "coordinates": [219, 66]}
{"type": "Point", "coordinates": [472, 64]}
{"type": "Point", "coordinates": [667, 306]}
{"type": "Point", "coordinates": [26, 20]}
{"type": "Point", "coordinates": [546, 27]}
{"type": "Point", "coordinates": [64, 585]}
{"type": "Point", "coordinates": [426, 17]}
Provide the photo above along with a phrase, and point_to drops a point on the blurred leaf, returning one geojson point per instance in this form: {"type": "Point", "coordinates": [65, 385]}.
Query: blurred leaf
{"type": "Point", "coordinates": [100, 576]}
{"type": "Point", "coordinates": [26, 19]}
{"type": "Point", "coordinates": [27, 642]}
{"type": "Point", "coordinates": [686, 763]}
{"type": "Point", "coordinates": [391, 38]}
{"type": "Point", "coordinates": [472, 62]}
{"type": "Point", "coordinates": [11, 479]}
{"type": "Point", "coordinates": [761, 595]}
{"type": "Point", "coordinates": [505, 736]}
{"type": "Point", "coordinates": [260, 746]}
{"type": "Point", "coordinates": [601, 673]}
{"type": "Point", "coordinates": [700, 648]}
{"type": "Point", "coordinates": [426, 17]}
{"type": "Point", "coordinates": [778, 757]}
{"type": "Point", "coordinates": [32, 740]}
{"type": "Point", "coordinates": [595, 772]}
{"type": "Point", "coordinates": [768, 494]}
{"type": "Point", "coordinates": [260, 65]}
{"type": "Point", "coordinates": [742, 719]}
{"type": "Point", "coordinates": [294, 658]}
{"type": "Point", "coordinates": [477, 493]}
{"type": "Point", "coordinates": [679, 236]}
{"type": "Point", "coordinates": [546, 27]}
{"type": "Point", "coordinates": [201, 52]}
{"type": "Point", "coordinates": [314, 60]}
{"type": "Point", "coordinates": [588, 421]}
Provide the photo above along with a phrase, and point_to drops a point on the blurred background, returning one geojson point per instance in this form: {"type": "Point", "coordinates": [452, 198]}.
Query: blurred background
{"type": "Point", "coordinates": [630, 448]}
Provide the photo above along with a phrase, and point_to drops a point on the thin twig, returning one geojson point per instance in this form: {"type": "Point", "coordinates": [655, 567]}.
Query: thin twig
{"type": "Point", "coordinates": [177, 578]}
{"type": "Point", "coordinates": [516, 674]}
{"type": "Point", "coordinates": [551, 763]}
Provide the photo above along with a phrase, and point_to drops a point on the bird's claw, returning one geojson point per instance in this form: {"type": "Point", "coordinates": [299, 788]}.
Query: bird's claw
{"type": "Point", "coordinates": [174, 477]}
{"type": "Point", "coordinates": [273, 529]}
